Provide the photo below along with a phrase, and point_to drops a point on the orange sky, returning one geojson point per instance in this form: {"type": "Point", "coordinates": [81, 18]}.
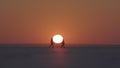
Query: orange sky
{"type": "Point", "coordinates": [79, 21]}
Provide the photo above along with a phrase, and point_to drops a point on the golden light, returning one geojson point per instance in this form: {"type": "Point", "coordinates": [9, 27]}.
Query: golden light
{"type": "Point", "coordinates": [57, 38]}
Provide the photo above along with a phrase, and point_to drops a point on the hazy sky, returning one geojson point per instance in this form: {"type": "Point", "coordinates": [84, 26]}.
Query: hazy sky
{"type": "Point", "coordinates": [79, 21]}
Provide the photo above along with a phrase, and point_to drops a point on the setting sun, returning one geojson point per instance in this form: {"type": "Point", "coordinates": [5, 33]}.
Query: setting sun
{"type": "Point", "coordinates": [57, 38]}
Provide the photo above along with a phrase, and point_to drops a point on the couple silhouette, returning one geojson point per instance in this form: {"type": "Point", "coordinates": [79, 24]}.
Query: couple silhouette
{"type": "Point", "coordinates": [52, 45]}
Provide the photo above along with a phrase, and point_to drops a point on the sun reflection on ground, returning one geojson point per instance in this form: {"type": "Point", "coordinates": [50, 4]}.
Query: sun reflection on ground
{"type": "Point", "coordinates": [58, 57]}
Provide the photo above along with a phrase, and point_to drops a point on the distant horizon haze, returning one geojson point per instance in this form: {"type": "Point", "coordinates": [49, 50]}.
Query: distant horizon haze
{"type": "Point", "coordinates": [78, 21]}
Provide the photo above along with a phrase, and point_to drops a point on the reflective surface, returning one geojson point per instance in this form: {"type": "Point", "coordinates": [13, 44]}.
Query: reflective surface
{"type": "Point", "coordinates": [76, 57]}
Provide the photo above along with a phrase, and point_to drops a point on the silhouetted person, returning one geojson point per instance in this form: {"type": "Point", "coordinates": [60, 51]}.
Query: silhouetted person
{"type": "Point", "coordinates": [52, 44]}
{"type": "Point", "coordinates": [63, 44]}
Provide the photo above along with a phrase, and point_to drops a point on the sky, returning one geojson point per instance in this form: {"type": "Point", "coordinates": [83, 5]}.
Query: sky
{"type": "Point", "coordinates": [78, 21]}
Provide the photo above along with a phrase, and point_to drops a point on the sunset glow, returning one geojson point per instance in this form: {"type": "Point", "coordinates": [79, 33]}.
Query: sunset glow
{"type": "Point", "coordinates": [78, 21]}
{"type": "Point", "coordinates": [57, 38]}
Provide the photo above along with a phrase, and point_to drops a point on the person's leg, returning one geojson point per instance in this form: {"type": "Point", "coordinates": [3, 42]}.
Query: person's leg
{"type": "Point", "coordinates": [62, 46]}
{"type": "Point", "coordinates": [50, 46]}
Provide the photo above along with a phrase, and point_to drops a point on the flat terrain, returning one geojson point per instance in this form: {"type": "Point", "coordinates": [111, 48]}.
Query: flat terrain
{"type": "Point", "coordinates": [70, 57]}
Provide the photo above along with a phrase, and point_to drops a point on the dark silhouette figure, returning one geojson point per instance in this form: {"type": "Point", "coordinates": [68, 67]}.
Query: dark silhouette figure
{"type": "Point", "coordinates": [52, 44]}
{"type": "Point", "coordinates": [63, 44]}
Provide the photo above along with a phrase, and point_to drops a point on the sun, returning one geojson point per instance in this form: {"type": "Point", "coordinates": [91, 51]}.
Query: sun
{"type": "Point", "coordinates": [57, 38]}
